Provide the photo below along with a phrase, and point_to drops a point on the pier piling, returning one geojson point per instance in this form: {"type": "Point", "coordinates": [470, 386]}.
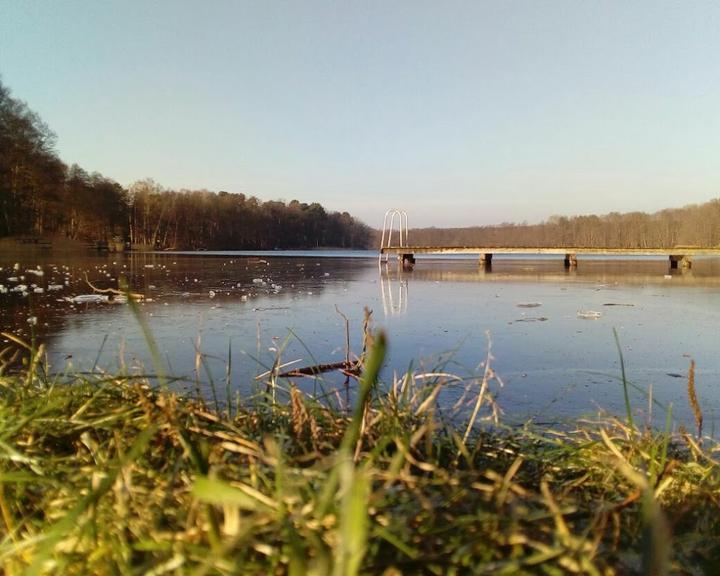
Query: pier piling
{"type": "Point", "coordinates": [570, 261]}
{"type": "Point", "coordinates": [408, 261]}
{"type": "Point", "coordinates": [680, 261]}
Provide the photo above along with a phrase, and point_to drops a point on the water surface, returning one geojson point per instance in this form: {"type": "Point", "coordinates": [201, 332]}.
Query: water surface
{"type": "Point", "coordinates": [554, 362]}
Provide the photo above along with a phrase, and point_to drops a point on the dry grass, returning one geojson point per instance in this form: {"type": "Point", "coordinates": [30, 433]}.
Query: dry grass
{"type": "Point", "coordinates": [102, 475]}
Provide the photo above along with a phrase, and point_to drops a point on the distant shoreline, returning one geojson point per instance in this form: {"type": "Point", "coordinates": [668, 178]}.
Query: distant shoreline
{"type": "Point", "coordinates": [38, 243]}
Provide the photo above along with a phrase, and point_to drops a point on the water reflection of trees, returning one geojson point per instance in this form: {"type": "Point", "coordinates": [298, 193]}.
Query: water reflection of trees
{"type": "Point", "coordinates": [160, 277]}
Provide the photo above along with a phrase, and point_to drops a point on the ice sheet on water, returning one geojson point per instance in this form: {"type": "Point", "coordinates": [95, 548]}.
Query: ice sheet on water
{"type": "Point", "coordinates": [588, 314]}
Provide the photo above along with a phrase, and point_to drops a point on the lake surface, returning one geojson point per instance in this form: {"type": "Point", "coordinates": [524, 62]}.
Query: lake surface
{"type": "Point", "coordinates": [554, 363]}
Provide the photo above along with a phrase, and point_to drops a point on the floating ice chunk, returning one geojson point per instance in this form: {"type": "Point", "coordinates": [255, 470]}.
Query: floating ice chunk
{"type": "Point", "coordinates": [149, 265]}
{"type": "Point", "coordinates": [13, 279]}
{"type": "Point", "coordinates": [528, 304]}
{"type": "Point", "coordinates": [3, 290]}
{"type": "Point", "coordinates": [326, 274]}
{"type": "Point", "coordinates": [32, 320]}
{"type": "Point", "coordinates": [588, 314]}
{"type": "Point", "coordinates": [259, 281]}
{"type": "Point", "coordinates": [38, 290]}
{"type": "Point", "coordinates": [88, 299]}
{"type": "Point", "coordinates": [19, 288]}
{"type": "Point", "coordinates": [37, 272]}
{"type": "Point", "coordinates": [53, 287]}
{"type": "Point", "coordinates": [211, 294]}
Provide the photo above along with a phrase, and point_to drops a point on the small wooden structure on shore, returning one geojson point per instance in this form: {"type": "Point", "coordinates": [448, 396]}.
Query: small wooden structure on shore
{"type": "Point", "coordinates": [35, 241]}
{"type": "Point", "coordinates": [113, 245]}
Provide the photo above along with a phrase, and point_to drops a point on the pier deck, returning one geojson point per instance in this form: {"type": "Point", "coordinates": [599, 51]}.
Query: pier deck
{"type": "Point", "coordinates": [679, 256]}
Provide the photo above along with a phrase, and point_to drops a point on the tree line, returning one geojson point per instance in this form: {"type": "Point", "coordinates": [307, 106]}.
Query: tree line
{"type": "Point", "coordinates": [205, 220]}
{"type": "Point", "coordinates": [41, 196]}
{"type": "Point", "coordinates": [693, 225]}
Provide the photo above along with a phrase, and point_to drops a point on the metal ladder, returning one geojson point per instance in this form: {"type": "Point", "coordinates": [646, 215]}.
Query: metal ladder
{"type": "Point", "coordinates": [388, 225]}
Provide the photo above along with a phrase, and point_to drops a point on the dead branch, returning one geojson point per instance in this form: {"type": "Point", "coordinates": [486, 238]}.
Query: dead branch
{"type": "Point", "coordinates": [347, 368]}
{"type": "Point", "coordinates": [114, 291]}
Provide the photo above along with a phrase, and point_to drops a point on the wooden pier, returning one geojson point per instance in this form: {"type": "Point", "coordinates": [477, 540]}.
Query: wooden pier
{"type": "Point", "coordinates": [678, 256]}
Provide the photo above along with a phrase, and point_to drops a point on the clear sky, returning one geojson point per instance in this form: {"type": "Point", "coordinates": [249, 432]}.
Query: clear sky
{"type": "Point", "coordinates": [461, 113]}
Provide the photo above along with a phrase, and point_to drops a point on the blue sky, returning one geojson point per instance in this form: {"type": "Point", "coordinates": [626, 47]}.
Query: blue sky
{"type": "Point", "coordinates": [461, 113]}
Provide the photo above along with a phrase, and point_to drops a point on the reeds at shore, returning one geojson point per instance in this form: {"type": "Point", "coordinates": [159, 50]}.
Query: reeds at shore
{"type": "Point", "coordinates": [102, 474]}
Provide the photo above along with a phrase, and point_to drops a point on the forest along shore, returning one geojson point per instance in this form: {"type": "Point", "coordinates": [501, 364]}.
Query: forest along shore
{"type": "Point", "coordinates": [41, 197]}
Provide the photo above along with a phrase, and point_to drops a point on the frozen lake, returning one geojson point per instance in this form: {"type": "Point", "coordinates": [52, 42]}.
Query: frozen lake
{"type": "Point", "coordinates": [555, 363]}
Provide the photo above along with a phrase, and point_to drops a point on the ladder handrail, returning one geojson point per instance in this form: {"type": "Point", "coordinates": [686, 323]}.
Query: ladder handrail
{"type": "Point", "coordinates": [389, 226]}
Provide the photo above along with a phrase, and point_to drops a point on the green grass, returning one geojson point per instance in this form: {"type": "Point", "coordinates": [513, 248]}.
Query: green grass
{"type": "Point", "coordinates": [103, 475]}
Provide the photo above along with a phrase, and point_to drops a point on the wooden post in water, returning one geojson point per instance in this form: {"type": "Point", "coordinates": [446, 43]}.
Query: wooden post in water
{"type": "Point", "coordinates": [680, 261]}
{"type": "Point", "coordinates": [486, 260]}
{"type": "Point", "coordinates": [570, 261]}
{"type": "Point", "coordinates": [408, 261]}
